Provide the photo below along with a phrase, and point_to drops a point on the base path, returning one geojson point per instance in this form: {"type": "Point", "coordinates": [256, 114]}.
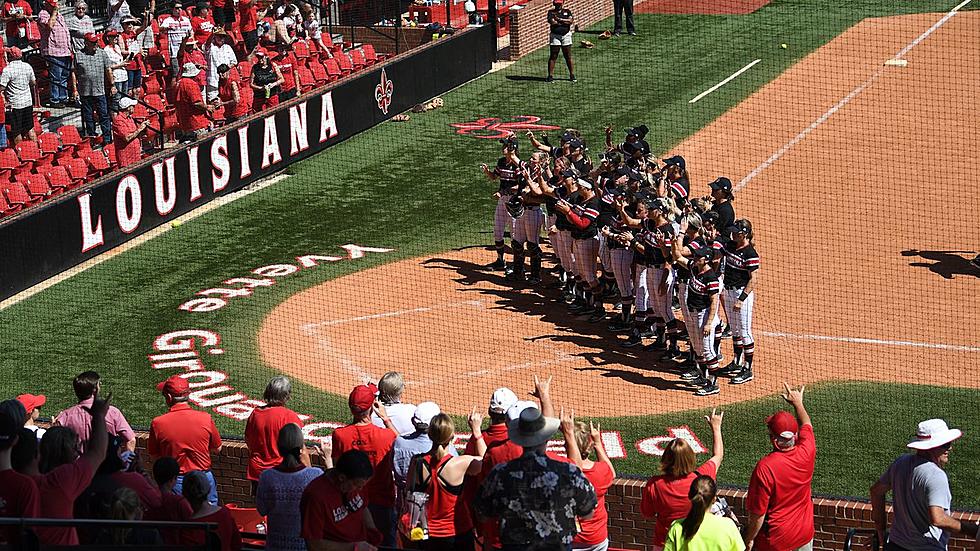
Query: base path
{"type": "Point", "coordinates": [701, 7]}
{"type": "Point", "coordinates": [859, 179]}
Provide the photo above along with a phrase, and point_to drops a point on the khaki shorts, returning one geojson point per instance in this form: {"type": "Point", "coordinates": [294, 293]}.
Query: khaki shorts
{"type": "Point", "coordinates": [561, 39]}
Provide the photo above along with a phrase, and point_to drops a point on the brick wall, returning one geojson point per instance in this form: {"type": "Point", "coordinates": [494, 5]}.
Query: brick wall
{"type": "Point", "coordinates": [627, 528]}
{"type": "Point", "coordinates": [529, 26]}
{"type": "Point", "coordinates": [408, 37]}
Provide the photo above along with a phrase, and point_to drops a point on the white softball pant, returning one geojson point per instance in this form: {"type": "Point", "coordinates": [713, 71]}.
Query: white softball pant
{"type": "Point", "coordinates": [741, 319]}
{"type": "Point", "coordinates": [502, 218]}
{"type": "Point", "coordinates": [704, 347]}
{"type": "Point", "coordinates": [661, 304]}
{"type": "Point", "coordinates": [622, 268]}
{"type": "Point", "coordinates": [527, 228]}
{"type": "Point", "coordinates": [644, 289]}
{"type": "Point", "coordinates": [604, 257]}
{"type": "Point", "coordinates": [585, 251]}
{"type": "Point", "coordinates": [561, 242]}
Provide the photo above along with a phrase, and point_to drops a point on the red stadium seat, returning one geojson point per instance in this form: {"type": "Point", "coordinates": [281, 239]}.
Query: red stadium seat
{"type": "Point", "coordinates": [97, 162]}
{"type": "Point", "coordinates": [244, 71]}
{"type": "Point", "coordinates": [110, 153]}
{"type": "Point", "coordinates": [318, 72]}
{"type": "Point", "coordinates": [371, 54]}
{"type": "Point", "coordinates": [333, 69]}
{"type": "Point", "coordinates": [307, 81]}
{"type": "Point", "coordinates": [50, 143]}
{"type": "Point", "coordinates": [345, 63]}
{"type": "Point", "coordinates": [8, 162]}
{"type": "Point", "coordinates": [16, 194]}
{"type": "Point", "coordinates": [140, 113]}
{"type": "Point", "coordinates": [58, 178]}
{"type": "Point", "coordinates": [301, 49]}
{"type": "Point", "coordinates": [37, 186]}
{"type": "Point", "coordinates": [156, 102]}
{"type": "Point", "coordinates": [5, 207]}
{"type": "Point", "coordinates": [78, 170]}
{"type": "Point", "coordinates": [29, 153]}
{"type": "Point", "coordinates": [70, 137]}
{"type": "Point", "coordinates": [357, 58]}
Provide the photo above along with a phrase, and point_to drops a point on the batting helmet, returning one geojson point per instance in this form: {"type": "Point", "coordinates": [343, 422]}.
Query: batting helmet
{"type": "Point", "coordinates": [515, 207]}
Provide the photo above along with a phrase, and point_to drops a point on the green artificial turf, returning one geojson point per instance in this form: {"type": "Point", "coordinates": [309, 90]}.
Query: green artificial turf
{"type": "Point", "coordinates": [415, 187]}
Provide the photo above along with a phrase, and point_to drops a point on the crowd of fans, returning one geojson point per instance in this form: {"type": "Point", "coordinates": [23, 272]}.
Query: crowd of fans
{"type": "Point", "coordinates": [393, 477]}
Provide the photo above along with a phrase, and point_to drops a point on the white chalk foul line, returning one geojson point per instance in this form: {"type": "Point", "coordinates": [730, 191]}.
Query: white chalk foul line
{"type": "Point", "coordinates": [845, 100]}
{"type": "Point", "coordinates": [310, 327]}
{"type": "Point", "coordinates": [858, 340]}
{"type": "Point", "coordinates": [724, 82]}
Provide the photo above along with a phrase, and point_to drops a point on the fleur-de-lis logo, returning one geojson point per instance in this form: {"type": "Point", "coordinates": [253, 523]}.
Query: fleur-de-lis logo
{"type": "Point", "coordinates": [383, 92]}
{"type": "Point", "coordinates": [489, 128]}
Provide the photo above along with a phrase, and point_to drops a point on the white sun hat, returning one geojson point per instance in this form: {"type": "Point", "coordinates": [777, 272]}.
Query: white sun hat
{"type": "Point", "coordinates": [933, 433]}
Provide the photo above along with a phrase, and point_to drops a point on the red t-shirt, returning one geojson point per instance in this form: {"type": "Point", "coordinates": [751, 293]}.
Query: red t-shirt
{"type": "Point", "coordinates": [173, 508]}
{"type": "Point", "coordinates": [59, 489]}
{"type": "Point", "coordinates": [376, 443]}
{"type": "Point", "coordinates": [240, 109]}
{"type": "Point", "coordinates": [493, 434]}
{"type": "Point", "coordinates": [184, 433]}
{"type": "Point", "coordinates": [130, 152]}
{"type": "Point", "coordinates": [149, 494]}
{"type": "Point", "coordinates": [666, 497]}
{"type": "Point", "coordinates": [780, 489]}
{"type": "Point", "coordinates": [13, 27]}
{"type": "Point", "coordinates": [329, 515]}
{"type": "Point", "coordinates": [231, 537]}
{"type": "Point", "coordinates": [189, 117]}
{"type": "Point", "coordinates": [287, 66]}
{"type": "Point", "coordinates": [197, 58]}
{"type": "Point", "coordinates": [202, 28]}
{"type": "Point", "coordinates": [595, 530]}
{"type": "Point", "coordinates": [248, 18]}
{"type": "Point", "coordinates": [19, 497]}
{"type": "Point", "coordinates": [261, 434]}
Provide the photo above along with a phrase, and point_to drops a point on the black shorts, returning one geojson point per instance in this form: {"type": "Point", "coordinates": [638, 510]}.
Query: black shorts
{"type": "Point", "coordinates": [224, 16]}
{"type": "Point", "coordinates": [21, 120]}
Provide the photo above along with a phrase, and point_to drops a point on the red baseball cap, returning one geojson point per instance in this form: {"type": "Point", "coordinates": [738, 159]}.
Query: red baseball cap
{"type": "Point", "coordinates": [174, 386]}
{"type": "Point", "coordinates": [32, 402]}
{"type": "Point", "coordinates": [362, 398]}
{"type": "Point", "coordinates": [92, 37]}
{"type": "Point", "coordinates": [783, 424]}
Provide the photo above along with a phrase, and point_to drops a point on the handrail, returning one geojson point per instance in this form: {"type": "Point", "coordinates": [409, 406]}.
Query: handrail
{"type": "Point", "coordinates": [872, 534]}
{"type": "Point", "coordinates": [22, 521]}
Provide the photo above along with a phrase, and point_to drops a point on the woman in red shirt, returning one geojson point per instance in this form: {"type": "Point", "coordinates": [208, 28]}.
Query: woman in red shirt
{"type": "Point", "coordinates": [666, 495]}
{"type": "Point", "coordinates": [440, 475]}
{"type": "Point", "coordinates": [196, 489]}
{"type": "Point", "coordinates": [264, 424]}
{"type": "Point", "coordinates": [580, 441]}
{"type": "Point", "coordinates": [333, 509]}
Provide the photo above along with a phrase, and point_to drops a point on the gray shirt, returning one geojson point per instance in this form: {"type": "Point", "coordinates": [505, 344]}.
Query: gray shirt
{"type": "Point", "coordinates": [78, 28]}
{"type": "Point", "coordinates": [917, 484]}
{"type": "Point", "coordinates": [277, 497]}
{"type": "Point", "coordinates": [405, 448]}
{"type": "Point", "coordinates": [90, 71]}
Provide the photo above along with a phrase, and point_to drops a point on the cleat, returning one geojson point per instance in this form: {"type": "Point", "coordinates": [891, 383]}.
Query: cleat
{"type": "Point", "coordinates": [496, 266]}
{"type": "Point", "coordinates": [534, 280]}
{"type": "Point", "coordinates": [726, 331]}
{"type": "Point", "coordinates": [647, 332]}
{"type": "Point", "coordinates": [633, 340]}
{"type": "Point", "coordinates": [707, 390]}
{"type": "Point", "coordinates": [692, 374]}
{"type": "Point", "coordinates": [731, 369]}
{"type": "Point", "coordinates": [976, 262]}
{"type": "Point", "coordinates": [597, 315]}
{"type": "Point", "coordinates": [671, 354]}
{"type": "Point", "coordinates": [744, 376]}
{"type": "Point", "coordinates": [619, 326]}
{"type": "Point", "coordinates": [514, 275]}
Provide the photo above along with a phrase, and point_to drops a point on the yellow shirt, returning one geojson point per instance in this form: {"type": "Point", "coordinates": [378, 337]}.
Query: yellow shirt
{"type": "Point", "coordinates": [715, 534]}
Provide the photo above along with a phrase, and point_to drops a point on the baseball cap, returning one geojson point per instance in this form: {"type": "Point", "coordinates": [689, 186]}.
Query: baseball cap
{"type": "Point", "coordinates": [567, 137]}
{"type": "Point", "coordinates": [783, 424]}
{"type": "Point", "coordinates": [514, 411]}
{"type": "Point", "coordinates": [362, 398]}
{"type": "Point", "coordinates": [575, 143]}
{"type": "Point", "coordinates": [109, 34]}
{"type": "Point", "coordinates": [710, 217]}
{"type": "Point", "coordinates": [32, 402]}
{"type": "Point", "coordinates": [722, 183]}
{"type": "Point", "coordinates": [583, 183]}
{"type": "Point", "coordinates": [425, 411]}
{"type": "Point", "coordinates": [568, 173]}
{"type": "Point", "coordinates": [14, 52]}
{"type": "Point", "coordinates": [558, 2]}
{"type": "Point", "coordinates": [9, 429]}
{"type": "Point", "coordinates": [639, 131]}
{"type": "Point", "coordinates": [126, 102]}
{"type": "Point", "coordinates": [174, 386]}
{"type": "Point", "coordinates": [510, 142]}
{"type": "Point", "coordinates": [701, 252]}
{"type": "Point", "coordinates": [738, 226]}
{"type": "Point", "coordinates": [676, 160]}
{"type": "Point", "coordinates": [91, 37]}
{"type": "Point", "coordinates": [502, 399]}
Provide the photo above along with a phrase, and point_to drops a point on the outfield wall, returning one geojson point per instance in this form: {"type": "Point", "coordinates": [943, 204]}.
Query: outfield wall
{"type": "Point", "coordinates": [84, 223]}
{"type": "Point", "coordinates": [627, 528]}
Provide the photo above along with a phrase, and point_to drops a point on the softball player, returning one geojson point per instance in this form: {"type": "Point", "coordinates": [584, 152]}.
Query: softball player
{"type": "Point", "coordinates": [677, 180]}
{"type": "Point", "coordinates": [509, 173]}
{"type": "Point", "coordinates": [738, 298]}
{"type": "Point", "coordinates": [583, 215]}
{"type": "Point", "coordinates": [690, 241]}
{"type": "Point", "coordinates": [563, 188]}
{"type": "Point", "coordinates": [702, 292]}
{"type": "Point", "coordinates": [621, 264]}
{"type": "Point", "coordinates": [526, 235]}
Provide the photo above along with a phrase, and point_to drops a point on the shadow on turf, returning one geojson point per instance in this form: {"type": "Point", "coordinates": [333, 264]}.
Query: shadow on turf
{"type": "Point", "coordinates": [947, 264]}
{"type": "Point", "coordinates": [527, 78]}
{"type": "Point", "coordinates": [602, 349]}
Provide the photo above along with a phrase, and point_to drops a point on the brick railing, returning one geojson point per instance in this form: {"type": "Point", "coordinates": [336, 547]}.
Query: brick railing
{"type": "Point", "coordinates": [529, 26]}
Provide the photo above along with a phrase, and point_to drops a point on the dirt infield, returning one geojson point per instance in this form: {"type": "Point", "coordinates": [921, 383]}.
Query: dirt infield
{"type": "Point", "coordinates": [701, 7]}
{"type": "Point", "coordinates": [840, 157]}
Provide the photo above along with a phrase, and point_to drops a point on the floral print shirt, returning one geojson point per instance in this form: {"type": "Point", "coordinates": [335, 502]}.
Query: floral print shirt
{"type": "Point", "coordinates": [537, 499]}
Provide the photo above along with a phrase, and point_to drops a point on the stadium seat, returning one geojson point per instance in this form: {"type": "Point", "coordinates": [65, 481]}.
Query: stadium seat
{"type": "Point", "coordinates": [371, 54]}
{"type": "Point", "coordinates": [29, 153]}
{"type": "Point", "coordinates": [156, 102]}
{"type": "Point", "coordinates": [8, 162]}
{"type": "Point", "coordinates": [301, 49]}
{"type": "Point", "coordinates": [333, 69]}
{"type": "Point", "coordinates": [70, 137]}
{"type": "Point", "coordinates": [244, 71]}
{"type": "Point", "coordinates": [97, 162]}
{"type": "Point", "coordinates": [50, 143]}
{"type": "Point", "coordinates": [5, 207]}
{"type": "Point", "coordinates": [357, 59]}
{"type": "Point", "coordinates": [344, 62]}
{"type": "Point", "coordinates": [140, 113]}
{"type": "Point", "coordinates": [110, 154]}
{"type": "Point", "coordinates": [16, 194]}
{"type": "Point", "coordinates": [307, 81]}
{"type": "Point", "coordinates": [77, 170]}
{"type": "Point", "coordinates": [318, 72]}
{"type": "Point", "coordinates": [37, 187]}
{"type": "Point", "coordinates": [58, 178]}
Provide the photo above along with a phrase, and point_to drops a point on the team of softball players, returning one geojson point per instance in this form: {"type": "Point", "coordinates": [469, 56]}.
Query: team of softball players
{"type": "Point", "coordinates": [626, 233]}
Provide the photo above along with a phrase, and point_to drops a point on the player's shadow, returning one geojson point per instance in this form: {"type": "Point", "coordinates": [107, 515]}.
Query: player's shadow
{"type": "Point", "coordinates": [600, 348]}
{"type": "Point", "coordinates": [947, 264]}
{"type": "Point", "coordinates": [526, 78]}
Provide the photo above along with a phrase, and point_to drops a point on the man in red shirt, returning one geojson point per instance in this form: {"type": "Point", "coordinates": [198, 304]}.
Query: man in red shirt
{"type": "Point", "coordinates": [262, 428]}
{"type": "Point", "coordinates": [779, 490]}
{"type": "Point", "coordinates": [18, 14]}
{"type": "Point", "coordinates": [193, 113]}
{"type": "Point", "coordinates": [126, 133]}
{"type": "Point", "coordinates": [287, 66]}
{"type": "Point", "coordinates": [202, 23]}
{"type": "Point", "coordinates": [173, 507]}
{"type": "Point", "coordinates": [19, 496]}
{"type": "Point", "coordinates": [377, 443]}
{"type": "Point", "coordinates": [186, 434]}
{"type": "Point", "coordinates": [248, 24]}
{"type": "Point", "coordinates": [332, 506]}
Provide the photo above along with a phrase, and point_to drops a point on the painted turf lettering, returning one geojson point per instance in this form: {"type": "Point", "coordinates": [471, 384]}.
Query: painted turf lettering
{"type": "Point", "coordinates": [655, 444]}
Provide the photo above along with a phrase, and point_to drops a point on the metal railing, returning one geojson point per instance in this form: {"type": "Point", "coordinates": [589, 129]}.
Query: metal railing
{"type": "Point", "coordinates": [28, 541]}
{"type": "Point", "coordinates": [872, 535]}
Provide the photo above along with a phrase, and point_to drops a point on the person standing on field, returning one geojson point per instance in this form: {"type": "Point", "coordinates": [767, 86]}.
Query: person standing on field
{"type": "Point", "coordinates": [561, 21]}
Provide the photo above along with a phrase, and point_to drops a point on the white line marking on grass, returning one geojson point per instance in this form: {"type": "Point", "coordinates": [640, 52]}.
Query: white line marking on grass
{"type": "Point", "coordinates": [724, 82]}
{"type": "Point", "coordinates": [844, 101]}
{"type": "Point", "coordinates": [309, 328]}
{"type": "Point", "coordinates": [858, 340]}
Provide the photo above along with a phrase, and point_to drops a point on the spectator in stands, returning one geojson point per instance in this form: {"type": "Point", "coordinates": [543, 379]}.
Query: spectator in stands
{"type": "Point", "coordinates": [62, 474]}
{"type": "Point", "coordinates": [191, 52]}
{"type": "Point", "coordinates": [80, 25]}
{"type": "Point", "coordinates": [131, 43]}
{"type": "Point", "coordinates": [56, 48]}
{"type": "Point", "coordinates": [332, 507]}
{"type": "Point", "coordinates": [178, 27]}
{"type": "Point", "coordinates": [224, 13]}
{"type": "Point", "coordinates": [287, 64]}
{"type": "Point", "coordinates": [377, 443]}
{"type": "Point", "coordinates": [188, 435]}
{"type": "Point", "coordinates": [18, 84]}
{"type": "Point", "coordinates": [391, 387]}
{"type": "Point", "coordinates": [19, 495]}
{"type": "Point", "coordinates": [285, 25]}
{"type": "Point", "coordinates": [118, 59]}
{"type": "Point", "coordinates": [248, 21]}
{"type": "Point", "coordinates": [500, 401]}
{"type": "Point", "coordinates": [440, 475]}
{"type": "Point", "coordinates": [702, 529]}
{"type": "Point", "coordinates": [311, 27]}
{"type": "Point", "coordinates": [113, 473]}
{"type": "Point", "coordinates": [126, 133]}
{"type": "Point", "coordinates": [779, 490]}
{"type": "Point", "coordinates": [266, 81]}
{"type": "Point", "coordinates": [3, 123]}
{"type": "Point", "coordinates": [536, 498]}
{"type": "Point", "coordinates": [32, 404]}
{"type": "Point", "coordinates": [236, 99]}
{"type": "Point", "coordinates": [197, 489]}
{"type": "Point", "coordinates": [922, 498]}
{"type": "Point", "coordinates": [666, 495]}
{"type": "Point", "coordinates": [415, 443]}
{"type": "Point", "coordinates": [15, 410]}
{"type": "Point", "coordinates": [219, 53]}
{"type": "Point", "coordinates": [202, 24]}
{"type": "Point", "coordinates": [193, 113]}
{"type": "Point", "coordinates": [118, 10]}
{"type": "Point", "coordinates": [92, 71]}
{"type": "Point", "coordinates": [17, 14]}
{"type": "Point", "coordinates": [580, 441]}
{"type": "Point", "coordinates": [87, 385]}
{"type": "Point", "coordinates": [263, 428]}
{"type": "Point", "coordinates": [281, 488]}
{"type": "Point", "coordinates": [126, 506]}
{"type": "Point", "coordinates": [173, 506]}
